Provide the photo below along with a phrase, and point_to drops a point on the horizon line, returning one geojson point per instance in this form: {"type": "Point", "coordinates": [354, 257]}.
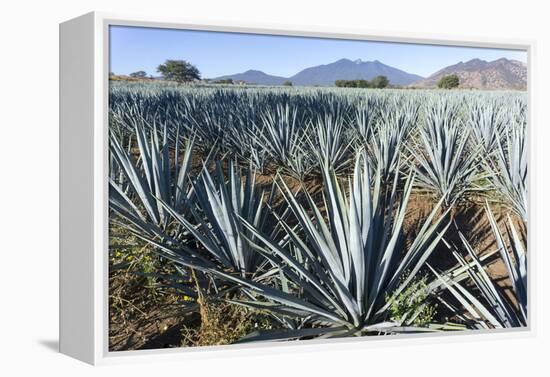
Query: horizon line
{"type": "Point", "coordinates": [361, 61]}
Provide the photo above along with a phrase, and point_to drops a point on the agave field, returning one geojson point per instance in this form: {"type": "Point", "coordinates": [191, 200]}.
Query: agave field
{"type": "Point", "coordinates": [248, 214]}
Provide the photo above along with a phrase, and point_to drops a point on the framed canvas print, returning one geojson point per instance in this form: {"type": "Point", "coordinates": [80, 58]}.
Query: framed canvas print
{"type": "Point", "coordinates": [229, 188]}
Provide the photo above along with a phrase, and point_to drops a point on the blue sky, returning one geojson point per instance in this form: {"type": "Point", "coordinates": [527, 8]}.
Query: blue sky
{"type": "Point", "coordinates": [216, 53]}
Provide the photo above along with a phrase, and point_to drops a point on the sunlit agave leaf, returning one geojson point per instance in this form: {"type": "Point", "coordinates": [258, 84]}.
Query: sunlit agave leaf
{"type": "Point", "coordinates": [330, 145]}
{"type": "Point", "coordinates": [486, 121]}
{"type": "Point", "coordinates": [496, 310]}
{"type": "Point", "coordinates": [152, 177]}
{"type": "Point", "coordinates": [281, 138]}
{"type": "Point", "coordinates": [221, 204]}
{"type": "Point", "coordinates": [509, 169]}
{"type": "Point", "coordinates": [514, 256]}
{"type": "Point", "coordinates": [386, 143]}
{"type": "Point", "coordinates": [345, 261]}
{"type": "Point", "coordinates": [365, 119]}
{"type": "Point", "coordinates": [444, 165]}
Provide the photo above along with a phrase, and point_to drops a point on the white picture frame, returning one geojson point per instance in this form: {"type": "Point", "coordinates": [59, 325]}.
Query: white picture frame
{"type": "Point", "coordinates": [84, 48]}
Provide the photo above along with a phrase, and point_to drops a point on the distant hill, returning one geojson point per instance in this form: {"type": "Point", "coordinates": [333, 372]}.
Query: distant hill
{"type": "Point", "coordinates": [327, 74]}
{"type": "Point", "coordinates": [345, 69]}
{"type": "Point", "coordinates": [480, 74]}
{"type": "Point", "coordinates": [254, 77]}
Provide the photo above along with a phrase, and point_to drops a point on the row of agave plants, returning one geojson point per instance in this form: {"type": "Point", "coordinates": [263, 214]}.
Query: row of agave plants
{"type": "Point", "coordinates": [186, 166]}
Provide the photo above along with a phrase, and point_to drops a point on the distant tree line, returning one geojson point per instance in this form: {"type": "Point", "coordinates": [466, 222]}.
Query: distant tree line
{"type": "Point", "coordinates": [378, 82]}
{"type": "Point", "coordinates": [139, 74]}
{"type": "Point", "coordinates": [182, 71]}
{"type": "Point", "coordinates": [173, 70]}
{"type": "Point", "coordinates": [223, 81]}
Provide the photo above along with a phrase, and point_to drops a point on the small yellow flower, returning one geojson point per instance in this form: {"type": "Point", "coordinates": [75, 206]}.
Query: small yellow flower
{"type": "Point", "coordinates": [187, 298]}
{"type": "Point", "coordinates": [118, 254]}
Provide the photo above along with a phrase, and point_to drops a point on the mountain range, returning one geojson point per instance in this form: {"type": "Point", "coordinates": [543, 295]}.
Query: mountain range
{"type": "Point", "coordinates": [253, 76]}
{"type": "Point", "coordinates": [345, 69]}
{"type": "Point", "coordinates": [480, 74]}
{"type": "Point", "coordinates": [476, 73]}
{"type": "Point", "coordinates": [327, 74]}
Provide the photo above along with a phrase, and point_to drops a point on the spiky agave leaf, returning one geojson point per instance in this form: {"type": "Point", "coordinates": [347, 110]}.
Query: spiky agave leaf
{"type": "Point", "coordinates": [214, 221]}
{"type": "Point", "coordinates": [444, 164]}
{"type": "Point", "coordinates": [328, 141]}
{"type": "Point", "coordinates": [346, 267]}
{"type": "Point", "coordinates": [155, 176]}
{"type": "Point", "coordinates": [221, 206]}
{"type": "Point", "coordinates": [281, 139]}
{"type": "Point", "coordinates": [385, 145]}
{"type": "Point", "coordinates": [509, 168]}
{"type": "Point", "coordinates": [495, 309]}
{"type": "Point", "coordinates": [486, 120]}
{"type": "Point", "coordinates": [365, 119]}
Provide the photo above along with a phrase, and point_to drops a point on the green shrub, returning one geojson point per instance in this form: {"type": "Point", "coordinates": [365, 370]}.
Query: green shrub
{"type": "Point", "coordinates": [448, 82]}
{"type": "Point", "coordinates": [411, 305]}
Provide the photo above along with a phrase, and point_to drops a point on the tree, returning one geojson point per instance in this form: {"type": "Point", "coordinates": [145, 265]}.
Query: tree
{"type": "Point", "coordinates": [379, 82]}
{"type": "Point", "coordinates": [179, 70]}
{"type": "Point", "coordinates": [448, 82]}
{"type": "Point", "coordinates": [139, 74]}
{"type": "Point", "coordinates": [287, 83]}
